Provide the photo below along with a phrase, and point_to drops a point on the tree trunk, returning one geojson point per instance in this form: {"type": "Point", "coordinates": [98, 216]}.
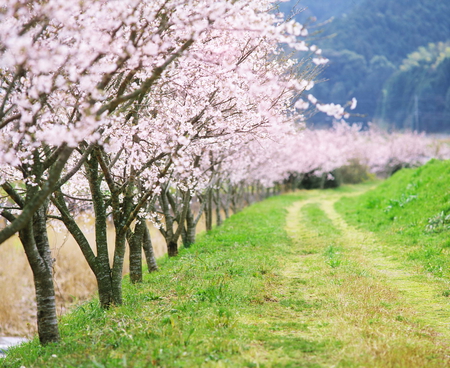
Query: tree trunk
{"type": "Point", "coordinates": [43, 282]}
{"type": "Point", "coordinates": [295, 183]}
{"type": "Point", "coordinates": [99, 264]}
{"type": "Point", "coordinates": [217, 202]}
{"type": "Point", "coordinates": [47, 320]}
{"type": "Point", "coordinates": [37, 249]}
{"type": "Point", "coordinates": [246, 197]}
{"type": "Point", "coordinates": [34, 239]}
{"type": "Point", "coordinates": [234, 199]}
{"type": "Point", "coordinates": [116, 274]}
{"type": "Point", "coordinates": [136, 244]}
{"type": "Point", "coordinates": [189, 234]}
{"type": "Point", "coordinates": [259, 191]}
{"type": "Point", "coordinates": [180, 211]}
{"type": "Point", "coordinates": [148, 250]}
{"type": "Point", "coordinates": [104, 285]}
{"type": "Point", "coordinates": [208, 209]}
{"type": "Point", "coordinates": [172, 248]}
{"type": "Point", "coordinates": [323, 178]}
{"type": "Point", "coordinates": [226, 204]}
{"type": "Point", "coordinates": [252, 194]}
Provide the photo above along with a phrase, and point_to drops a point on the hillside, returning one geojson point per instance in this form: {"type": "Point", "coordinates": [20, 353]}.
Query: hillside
{"type": "Point", "coordinates": [391, 28]}
{"type": "Point", "coordinates": [411, 211]}
{"type": "Point", "coordinates": [367, 42]}
{"type": "Point", "coordinates": [417, 95]}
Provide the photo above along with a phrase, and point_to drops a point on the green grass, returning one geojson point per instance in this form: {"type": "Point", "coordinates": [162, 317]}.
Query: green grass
{"type": "Point", "coordinates": [316, 219]}
{"type": "Point", "coordinates": [367, 302]}
{"type": "Point", "coordinates": [411, 212]}
{"type": "Point", "coordinates": [215, 305]}
{"type": "Point", "coordinates": [285, 283]}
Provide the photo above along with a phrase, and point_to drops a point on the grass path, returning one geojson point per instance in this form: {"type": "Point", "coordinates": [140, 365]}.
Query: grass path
{"type": "Point", "coordinates": [421, 292]}
{"type": "Point", "coordinates": [384, 313]}
{"type": "Point", "coordinates": [285, 283]}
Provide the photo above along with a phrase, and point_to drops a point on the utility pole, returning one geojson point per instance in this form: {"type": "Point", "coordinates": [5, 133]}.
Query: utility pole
{"type": "Point", "coordinates": [416, 113]}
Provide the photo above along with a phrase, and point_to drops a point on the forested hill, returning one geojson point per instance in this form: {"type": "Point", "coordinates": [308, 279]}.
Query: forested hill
{"type": "Point", "coordinates": [367, 43]}
{"type": "Point", "coordinates": [393, 29]}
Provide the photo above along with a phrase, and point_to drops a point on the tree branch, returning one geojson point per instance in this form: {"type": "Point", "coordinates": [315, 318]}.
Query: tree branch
{"type": "Point", "coordinates": [39, 198]}
{"type": "Point", "coordinates": [148, 83]}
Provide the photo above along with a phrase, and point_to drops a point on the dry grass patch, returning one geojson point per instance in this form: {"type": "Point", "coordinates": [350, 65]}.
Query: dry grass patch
{"type": "Point", "coordinates": [74, 280]}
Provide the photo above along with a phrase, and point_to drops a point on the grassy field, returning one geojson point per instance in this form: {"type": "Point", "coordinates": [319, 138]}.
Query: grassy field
{"type": "Point", "coordinates": [310, 279]}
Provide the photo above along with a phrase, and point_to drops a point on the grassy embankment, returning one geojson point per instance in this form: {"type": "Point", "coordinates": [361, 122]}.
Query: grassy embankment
{"type": "Point", "coordinates": [411, 211]}
{"type": "Point", "coordinates": [285, 283]}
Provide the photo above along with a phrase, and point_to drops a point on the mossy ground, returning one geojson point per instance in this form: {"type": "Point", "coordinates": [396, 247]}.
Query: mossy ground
{"type": "Point", "coordinates": [285, 283]}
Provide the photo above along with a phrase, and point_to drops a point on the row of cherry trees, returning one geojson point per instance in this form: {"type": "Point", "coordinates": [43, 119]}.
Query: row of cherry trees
{"type": "Point", "coordinates": [128, 109]}
{"type": "Point", "coordinates": [320, 152]}
{"type": "Point", "coordinates": [154, 110]}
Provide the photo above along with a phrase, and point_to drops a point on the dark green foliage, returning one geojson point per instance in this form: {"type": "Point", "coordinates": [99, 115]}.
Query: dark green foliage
{"type": "Point", "coordinates": [354, 173]}
{"type": "Point", "coordinates": [324, 181]}
{"type": "Point", "coordinates": [418, 95]}
{"type": "Point", "coordinates": [366, 43]}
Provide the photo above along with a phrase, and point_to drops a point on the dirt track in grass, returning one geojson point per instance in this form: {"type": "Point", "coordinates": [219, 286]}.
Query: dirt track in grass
{"type": "Point", "coordinates": [383, 312]}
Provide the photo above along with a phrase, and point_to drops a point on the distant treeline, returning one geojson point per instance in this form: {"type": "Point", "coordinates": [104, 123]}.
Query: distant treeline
{"type": "Point", "coordinates": [393, 56]}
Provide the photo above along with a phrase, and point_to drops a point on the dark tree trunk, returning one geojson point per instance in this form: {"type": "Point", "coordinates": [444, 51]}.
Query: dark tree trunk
{"type": "Point", "coordinates": [252, 194]}
{"type": "Point", "coordinates": [208, 209]}
{"type": "Point", "coordinates": [101, 267]}
{"type": "Point", "coordinates": [234, 199]}
{"type": "Point", "coordinates": [258, 192]}
{"type": "Point", "coordinates": [217, 203]}
{"type": "Point", "coordinates": [180, 211]}
{"type": "Point", "coordinates": [104, 286]}
{"type": "Point", "coordinates": [189, 233]}
{"type": "Point", "coordinates": [226, 203]}
{"type": "Point", "coordinates": [116, 272]}
{"type": "Point", "coordinates": [37, 249]}
{"type": "Point", "coordinates": [246, 197]}
{"type": "Point", "coordinates": [172, 248]}
{"type": "Point", "coordinates": [99, 264]}
{"type": "Point", "coordinates": [47, 320]}
{"type": "Point", "coordinates": [148, 251]}
{"type": "Point", "coordinates": [136, 245]}
{"type": "Point", "coordinates": [295, 183]}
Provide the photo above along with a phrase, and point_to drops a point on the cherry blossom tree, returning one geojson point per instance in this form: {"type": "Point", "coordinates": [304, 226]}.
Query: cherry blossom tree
{"type": "Point", "coordinates": [128, 110]}
{"type": "Point", "coordinates": [101, 102]}
{"type": "Point", "coordinates": [321, 152]}
{"type": "Point", "coordinates": [71, 73]}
